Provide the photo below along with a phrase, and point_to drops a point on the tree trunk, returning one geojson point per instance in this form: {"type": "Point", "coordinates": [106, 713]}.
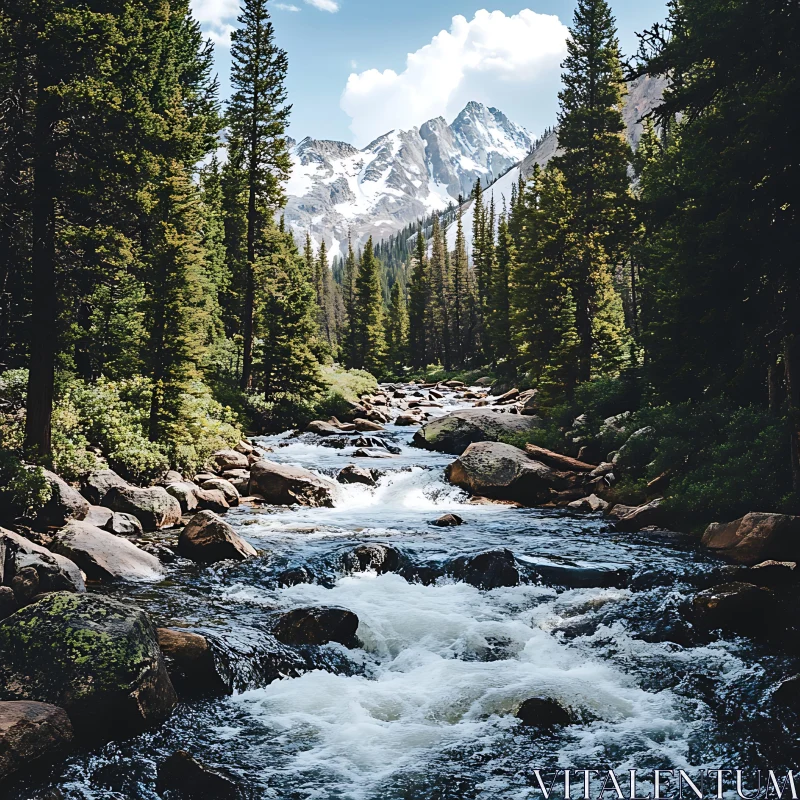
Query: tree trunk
{"type": "Point", "coordinates": [774, 387]}
{"type": "Point", "coordinates": [41, 379]}
{"type": "Point", "coordinates": [792, 367]}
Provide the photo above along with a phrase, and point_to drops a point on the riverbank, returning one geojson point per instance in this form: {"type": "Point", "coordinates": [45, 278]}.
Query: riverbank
{"type": "Point", "coordinates": [603, 623]}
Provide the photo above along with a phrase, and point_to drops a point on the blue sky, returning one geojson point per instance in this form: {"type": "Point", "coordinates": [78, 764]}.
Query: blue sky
{"type": "Point", "coordinates": [351, 77]}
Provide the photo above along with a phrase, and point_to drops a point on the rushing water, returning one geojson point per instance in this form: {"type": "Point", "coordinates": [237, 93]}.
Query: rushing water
{"type": "Point", "coordinates": [425, 708]}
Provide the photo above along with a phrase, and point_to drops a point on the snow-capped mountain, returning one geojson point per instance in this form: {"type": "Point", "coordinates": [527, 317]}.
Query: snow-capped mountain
{"type": "Point", "coordinates": [336, 189]}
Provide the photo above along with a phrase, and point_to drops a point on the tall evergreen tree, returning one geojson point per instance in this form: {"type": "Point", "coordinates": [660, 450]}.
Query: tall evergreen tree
{"type": "Point", "coordinates": [438, 308]}
{"type": "Point", "coordinates": [350, 274]}
{"type": "Point", "coordinates": [418, 291]}
{"type": "Point", "coordinates": [500, 293]}
{"type": "Point", "coordinates": [397, 332]}
{"type": "Point", "coordinates": [367, 321]}
{"type": "Point", "coordinates": [460, 295]}
{"type": "Point", "coordinates": [594, 160]}
{"type": "Point", "coordinates": [257, 117]}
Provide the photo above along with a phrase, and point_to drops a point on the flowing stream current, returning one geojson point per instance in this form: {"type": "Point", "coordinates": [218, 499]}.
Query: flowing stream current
{"type": "Point", "coordinates": [424, 708]}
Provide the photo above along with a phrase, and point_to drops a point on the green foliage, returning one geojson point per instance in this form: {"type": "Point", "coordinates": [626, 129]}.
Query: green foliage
{"type": "Point", "coordinates": [368, 339]}
{"type": "Point", "coordinates": [23, 489]}
{"type": "Point", "coordinates": [397, 333]}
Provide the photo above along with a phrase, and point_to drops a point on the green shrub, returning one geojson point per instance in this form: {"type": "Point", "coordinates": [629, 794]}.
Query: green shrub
{"type": "Point", "coordinates": [23, 489]}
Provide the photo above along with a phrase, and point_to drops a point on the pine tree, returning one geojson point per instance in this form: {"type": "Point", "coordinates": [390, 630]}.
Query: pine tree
{"type": "Point", "coordinates": [397, 332]}
{"type": "Point", "coordinates": [594, 161]}
{"type": "Point", "coordinates": [460, 295]}
{"type": "Point", "coordinates": [367, 320]}
{"type": "Point", "coordinates": [349, 301]}
{"type": "Point", "coordinates": [257, 119]}
{"type": "Point", "coordinates": [418, 291]}
{"type": "Point", "coordinates": [500, 294]}
{"type": "Point", "coordinates": [438, 308]}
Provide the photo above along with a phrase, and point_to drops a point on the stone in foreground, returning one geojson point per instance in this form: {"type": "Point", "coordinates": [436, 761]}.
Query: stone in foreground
{"type": "Point", "coordinates": [755, 538]}
{"type": "Point", "coordinates": [283, 485]}
{"type": "Point", "coordinates": [543, 712]}
{"type": "Point", "coordinates": [55, 573]}
{"type": "Point", "coordinates": [317, 626]}
{"type": "Point", "coordinates": [380, 558]}
{"type": "Point", "coordinates": [490, 570]}
{"type": "Point", "coordinates": [30, 731]}
{"type": "Point", "coordinates": [735, 607]}
{"type": "Point", "coordinates": [65, 503]}
{"type": "Point", "coordinates": [190, 663]}
{"type": "Point", "coordinates": [354, 474]}
{"type": "Point", "coordinates": [504, 472]}
{"type": "Point", "coordinates": [455, 432]}
{"type": "Point", "coordinates": [96, 658]}
{"type": "Point", "coordinates": [208, 539]}
{"type": "Point", "coordinates": [104, 556]}
{"type": "Point", "coordinates": [448, 521]}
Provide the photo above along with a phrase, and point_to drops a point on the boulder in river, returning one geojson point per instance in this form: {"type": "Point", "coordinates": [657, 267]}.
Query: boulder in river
{"type": "Point", "coordinates": [153, 507]}
{"type": "Point", "coordinates": [448, 521]}
{"type": "Point", "coordinates": [55, 573]}
{"type": "Point", "coordinates": [212, 500]}
{"type": "Point", "coordinates": [231, 494]}
{"type": "Point", "coordinates": [756, 537]}
{"type": "Point", "coordinates": [592, 504]}
{"type": "Point", "coordinates": [123, 524]}
{"type": "Point", "coordinates": [455, 432]}
{"type": "Point", "coordinates": [490, 570]}
{"type": "Point", "coordinates": [95, 657]}
{"type": "Point", "coordinates": [322, 428]}
{"type": "Point", "coordinates": [8, 602]}
{"type": "Point", "coordinates": [99, 516]}
{"type": "Point", "coordinates": [31, 731]}
{"type": "Point", "coordinates": [735, 607]}
{"type": "Point", "coordinates": [283, 485]}
{"type": "Point", "coordinates": [185, 493]}
{"type": "Point", "coordinates": [368, 426]}
{"type": "Point", "coordinates": [190, 663]}
{"type": "Point", "coordinates": [317, 626]}
{"type": "Point", "coordinates": [208, 539]}
{"type": "Point", "coordinates": [181, 777]}
{"type": "Point", "coordinates": [97, 485]}
{"type": "Point", "coordinates": [504, 472]}
{"type": "Point", "coordinates": [543, 712]}
{"type": "Point", "coordinates": [632, 519]}
{"type": "Point", "coordinates": [295, 577]}
{"type": "Point", "coordinates": [407, 420]}
{"type": "Point", "coordinates": [354, 474]}
{"type": "Point", "coordinates": [380, 558]}
{"type": "Point", "coordinates": [65, 503]}
{"type": "Point", "coordinates": [228, 459]}
{"type": "Point", "coordinates": [104, 556]}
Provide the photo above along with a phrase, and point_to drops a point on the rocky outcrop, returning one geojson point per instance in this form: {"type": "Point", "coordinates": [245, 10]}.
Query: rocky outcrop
{"type": "Point", "coordinates": [208, 539]}
{"type": "Point", "coordinates": [283, 485]}
{"type": "Point", "coordinates": [317, 626]}
{"type": "Point", "coordinates": [54, 572]}
{"type": "Point", "coordinates": [153, 507]}
{"type": "Point", "coordinates": [755, 537]}
{"type": "Point", "coordinates": [190, 663]}
{"type": "Point", "coordinates": [65, 503]}
{"type": "Point", "coordinates": [29, 732]}
{"type": "Point", "coordinates": [182, 777]}
{"type": "Point", "coordinates": [543, 712]}
{"type": "Point", "coordinates": [186, 494]}
{"type": "Point", "coordinates": [635, 518]}
{"type": "Point", "coordinates": [354, 474]}
{"type": "Point", "coordinates": [503, 472]}
{"type": "Point", "coordinates": [100, 483]}
{"type": "Point", "coordinates": [490, 570]}
{"type": "Point", "coordinates": [455, 432]}
{"type": "Point", "coordinates": [104, 556]}
{"type": "Point", "coordinates": [96, 658]}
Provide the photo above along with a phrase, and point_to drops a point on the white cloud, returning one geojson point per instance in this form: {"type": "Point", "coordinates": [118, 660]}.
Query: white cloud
{"type": "Point", "coordinates": [215, 14]}
{"type": "Point", "coordinates": [511, 62]}
{"type": "Point", "coordinates": [286, 7]}
{"type": "Point", "coordinates": [324, 5]}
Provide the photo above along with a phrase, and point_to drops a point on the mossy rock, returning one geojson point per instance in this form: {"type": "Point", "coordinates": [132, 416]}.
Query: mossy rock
{"type": "Point", "coordinates": [95, 657]}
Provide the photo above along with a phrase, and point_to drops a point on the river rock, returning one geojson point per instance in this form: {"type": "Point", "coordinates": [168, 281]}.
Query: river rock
{"type": "Point", "coordinates": [105, 557]}
{"type": "Point", "coordinates": [123, 524]}
{"type": "Point", "coordinates": [787, 694]}
{"type": "Point", "coordinates": [368, 426]}
{"type": "Point", "coordinates": [212, 500]}
{"type": "Point", "coordinates": [284, 485]}
{"type": "Point", "coordinates": [490, 570]}
{"type": "Point", "coordinates": [503, 472]}
{"type": "Point", "coordinates": [232, 496]}
{"type": "Point", "coordinates": [756, 537]}
{"type": "Point", "coordinates": [95, 657]}
{"type": "Point", "coordinates": [55, 573]}
{"type": "Point", "coordinates": [229, 459]}
{"type": "Point", "coordinates": [99, 516]}
{"type": "Point", "coordinates": [322, 428]}
{"type": "Point", "coordinates": [635, 519]}
{"type": "Point", "coordinates": [735, 607]}
{"type": "Point", "coordinates": [448, 521]}
{"type": "Point", "coordinates": [543, 712]}
{"type": "Point", "coordinates": [773, 573]}
{"type": "Point", "coordinates": [181, 777]}
{"type": "Point", "coordinates": [354, 474]}
{"type": "Point", "coordinates": [407, 420]}
{"type": "Point", "coordinates": [30, 731]}
{"type": "Point", "coordinates": [380, 558]}
{"type": "Point", "coordinates": [454, 432]}
{"type": "Point", "coordinates": [100, 483]}
{"type": "Point", "coordinates": [153, 507]}
{"type": "Point", "coordinates": [295, 577]}
{"type": "Point", "coordinates": [592, 504]}
{"type": "Point", "coordinates": [186, 494]}
{"type": "Point", "coordinates": [190, 663]}
{"type": "Point", "coordinates": [8, 603]}
{"type": "Point", "coordinates": [207, 539]}
{"type": "Point", "coordinates": [65, 503]}
{"type": "Point", "coordinates": [169, 477]}
{"type": "Point", "coordinates": [371, 452]}
{"type": "Point", "coordinates": [317, 626]}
